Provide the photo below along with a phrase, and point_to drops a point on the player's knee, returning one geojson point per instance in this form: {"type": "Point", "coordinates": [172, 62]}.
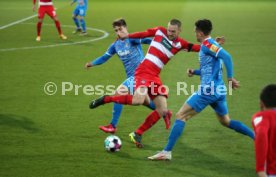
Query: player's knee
{"type": "Point", "coordinates": [225, 122]}
{"type": "Point", "coordinates": [138, 100]}
{"type": "Point", "coordinates": [182, 116]}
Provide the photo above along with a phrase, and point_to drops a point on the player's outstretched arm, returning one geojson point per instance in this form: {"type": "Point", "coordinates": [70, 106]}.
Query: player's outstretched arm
{"type": "Point", "coordinates": [98, 61]}
{"type": "Point", "coordinates": [149, 33]}
{"type": "Point", "coordinates": [227, 60]}
{"type": "Point", "coordinates": [192, 72]}
{"type": "Point", "coordinates": [73, 2]}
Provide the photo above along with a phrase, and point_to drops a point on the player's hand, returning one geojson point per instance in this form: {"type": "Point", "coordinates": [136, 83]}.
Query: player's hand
{"type": "Point", "coordinates": [262, 174]}
{"type": "Point", "coordinates": [190, 72]}
{"type": "Point", "coordinates": [234, 83]}
{"type": "Point", "coordinates": [34, 8]}
{"type": "Point", "coordinates": [88, 65]}
{"type": "Point", "coordinates": [220, 40]}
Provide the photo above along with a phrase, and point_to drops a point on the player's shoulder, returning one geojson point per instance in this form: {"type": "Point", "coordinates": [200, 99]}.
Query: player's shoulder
{"type": "Point", "coordinates": [267, 114]}
{"type": "Point", "coordinates": [161, 28]}
{"type": "Point", "coordinates": [211, 44]}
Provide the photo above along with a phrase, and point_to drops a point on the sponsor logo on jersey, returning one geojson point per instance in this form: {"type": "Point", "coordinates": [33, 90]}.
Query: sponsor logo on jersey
{"type": "Point", "coordinates": [166, 44]}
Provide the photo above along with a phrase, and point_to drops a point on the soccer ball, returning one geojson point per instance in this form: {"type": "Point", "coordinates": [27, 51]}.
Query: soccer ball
{"type": "Point", "coordinates": [112, 143]}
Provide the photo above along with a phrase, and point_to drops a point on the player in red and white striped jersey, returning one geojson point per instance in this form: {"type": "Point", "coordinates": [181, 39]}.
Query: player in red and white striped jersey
{"type": "Point", "coordinates": [264, 123]}
{"type": "Point", "coordinates": [166, 43]}
{"type": "Point", "coordinates": [46, 7]}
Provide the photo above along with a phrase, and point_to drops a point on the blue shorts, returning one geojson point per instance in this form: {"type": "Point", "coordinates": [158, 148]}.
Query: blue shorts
{"type": "Point", "coordinates": [80, 11]}
{"type": "Point", "coordinates": [200, 101]}
{"type": "Point", "coordinates": [129, 83]}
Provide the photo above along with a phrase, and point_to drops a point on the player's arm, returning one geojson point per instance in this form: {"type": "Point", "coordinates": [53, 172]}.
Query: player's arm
{"type": "Point", "coordinates": [190, 47]}
{"type": "Point", "coordinates": [34, 7]}
{"type": "Point", "coordinates": [73, 2]}
{"type": "Point", "coordinates": [227, 60]}
{"type": "Point", "coordinates": [260, 125]}
{"type": "Point", "coordinates": [141, 41]}
{"type": "Point", "coordinates": [102, 59]}
{"type": "Point", "coordinates": [149, 33]}
{"type": "Point", "coordinates": [192, 72]}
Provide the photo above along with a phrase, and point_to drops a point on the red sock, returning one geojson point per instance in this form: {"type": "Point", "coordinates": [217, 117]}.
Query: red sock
{"type": "Point", "coordinates": [152, 118]}
{"type": "Point", "coordinates": [38, 28]}
{"type": "Point", "coordinates": [58, 27]}
{"type": "Point", "coordinates": [121, 99]}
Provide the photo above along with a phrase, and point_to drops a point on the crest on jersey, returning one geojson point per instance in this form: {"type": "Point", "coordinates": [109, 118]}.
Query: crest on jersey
{"type": "Point", "coordinates": [214, 48]}
{"type": "Point", "coordinates": [257, 120]}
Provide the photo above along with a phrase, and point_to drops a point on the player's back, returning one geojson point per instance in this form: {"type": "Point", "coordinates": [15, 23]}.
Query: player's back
{"type": "Point", "coordinates": [267, 120]}
{"type": "Point", "coordinates": [210, 64]}
{"type": "Point", "coordinates": [130, 53]}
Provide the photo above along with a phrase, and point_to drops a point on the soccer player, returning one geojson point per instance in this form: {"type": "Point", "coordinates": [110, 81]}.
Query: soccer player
{"type": "Point", "coordinates": [211, 56]}
{"type": "Point", "coordinates": [148, 86]}
{"type": "Point", "coordinates": [264, 123]}
{"type": "Point", "coordinates": [46, 7]}
{"type": "Point", "coordinates": [80, 11]}
{"type": "Point", "coordinates": [131, 54]}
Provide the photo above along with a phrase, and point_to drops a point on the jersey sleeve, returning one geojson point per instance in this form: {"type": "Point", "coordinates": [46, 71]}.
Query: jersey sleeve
{"type": "Point", "coordinates": [189, 46]}
{"type": "Point", "coordinates": [108, 54]}
{"type": "Point", "coordinates": [218, 52]}
{"type": "Point", "coordinates": [260, 125]}
{"type": "Point", "coordinates": [149, 33]}
{"type": "Point", "coordinates": [140, 41]}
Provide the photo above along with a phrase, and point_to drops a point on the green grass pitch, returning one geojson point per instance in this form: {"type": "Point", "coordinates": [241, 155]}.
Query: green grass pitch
{"type": "Point", "coordinates": [58, 136]}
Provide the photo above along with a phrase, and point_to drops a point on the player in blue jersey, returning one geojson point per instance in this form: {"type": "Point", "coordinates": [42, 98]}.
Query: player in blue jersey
{"type": "Point", "coordinates": [131, 54]}
{"type": "Point", "coordinates": [212, 89]}
{"type": "Point", "coordinates": [80, 11]}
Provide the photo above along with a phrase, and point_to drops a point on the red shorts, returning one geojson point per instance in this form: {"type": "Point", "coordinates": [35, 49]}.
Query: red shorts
{"type": "Point", "coordinates": [154, 85]}
{"type": "Point", "coordinates": [49, 10]}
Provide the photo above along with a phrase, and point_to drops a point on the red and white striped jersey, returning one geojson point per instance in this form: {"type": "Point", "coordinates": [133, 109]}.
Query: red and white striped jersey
{"type": "Point", "coordinates": [161, 49]}
{"type": "Point", "coordinates": [264, 124]}
{"type": "Point", "coordinates": [44, 2]}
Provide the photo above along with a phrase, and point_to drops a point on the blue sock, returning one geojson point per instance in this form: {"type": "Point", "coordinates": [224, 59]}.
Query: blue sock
{"type": "Point", "coordinates": [117, 109]}
{"type": "Point", "coordinates": [151, 105]}
{"type": "Point", "coordinates": [177, 130]}
{"type": "Point", "coordinates": [241, 128]}
{"type": "Point", "coordinates": [82, 22]}
{"type": "Point", "coordinates": [76, 22]}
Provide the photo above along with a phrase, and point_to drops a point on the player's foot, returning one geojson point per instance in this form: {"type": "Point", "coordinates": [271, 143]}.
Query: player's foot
{"type": "Point", "coordinates": [108, 128]}
{"type": "Point", "coordinates": [62, 36]}
{"type": "Point", "coordinates": [83, 33]}
{"type": "Point", "coordinates": [163, 155]}
{"type": "Point", "coordinates": [38, 38]}
{"type": "Point", "coordinates": [167, 119]}
{"type": "Point", "coordinates": [137, 139]}
{"type": "Point", "coordinates": [78, 30]}
{"type": "Point", "coordinates": [97, 102]}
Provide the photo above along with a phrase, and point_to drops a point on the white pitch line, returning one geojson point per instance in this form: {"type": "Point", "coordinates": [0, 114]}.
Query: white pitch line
{"type": "Point", "coordinates": [16, 22]}
{"type": "Point", "coordinates": [106, 34]}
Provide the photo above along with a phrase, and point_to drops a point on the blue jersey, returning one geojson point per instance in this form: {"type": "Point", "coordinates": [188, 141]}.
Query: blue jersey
{"type": "Point", "coordinates": [129, 51]}
{"type": "Point", "coordinates": [211, 58]}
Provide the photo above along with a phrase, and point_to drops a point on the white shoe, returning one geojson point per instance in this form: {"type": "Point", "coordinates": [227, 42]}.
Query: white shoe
{"type": "Point", "coordinates": [163, 155]}
{"type": "Point", "coordinates": [38, 38]}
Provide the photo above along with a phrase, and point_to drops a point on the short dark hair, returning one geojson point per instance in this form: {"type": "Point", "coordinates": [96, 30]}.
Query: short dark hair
{"type": "Point", "coordinates": [268, 96]}
{"type": "Point", "coordinates": [204, 25]}
{"type": "Point", "coordinates": [119, 22]}
{"type": "Point", "coordinates": [176, 22]}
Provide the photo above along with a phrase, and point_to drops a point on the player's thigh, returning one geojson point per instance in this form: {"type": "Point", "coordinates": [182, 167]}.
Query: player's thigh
{"type": "Point", "coordinates": [198, 101]}
{"type": "Point", "coordinates": [140, 95]}
{"type": "Point", "coordinates": [41, 13]}
{"type": "Point", "coordinates": [82, 12]}
{"type": "Point", "coordinates": [51, 12]}
{"type": "Point", "coordinates": [185, 112]}
{"type": "Point", "coordinates": [76, 12]}
{"type": "Point", "coordinates": [126, 87]}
